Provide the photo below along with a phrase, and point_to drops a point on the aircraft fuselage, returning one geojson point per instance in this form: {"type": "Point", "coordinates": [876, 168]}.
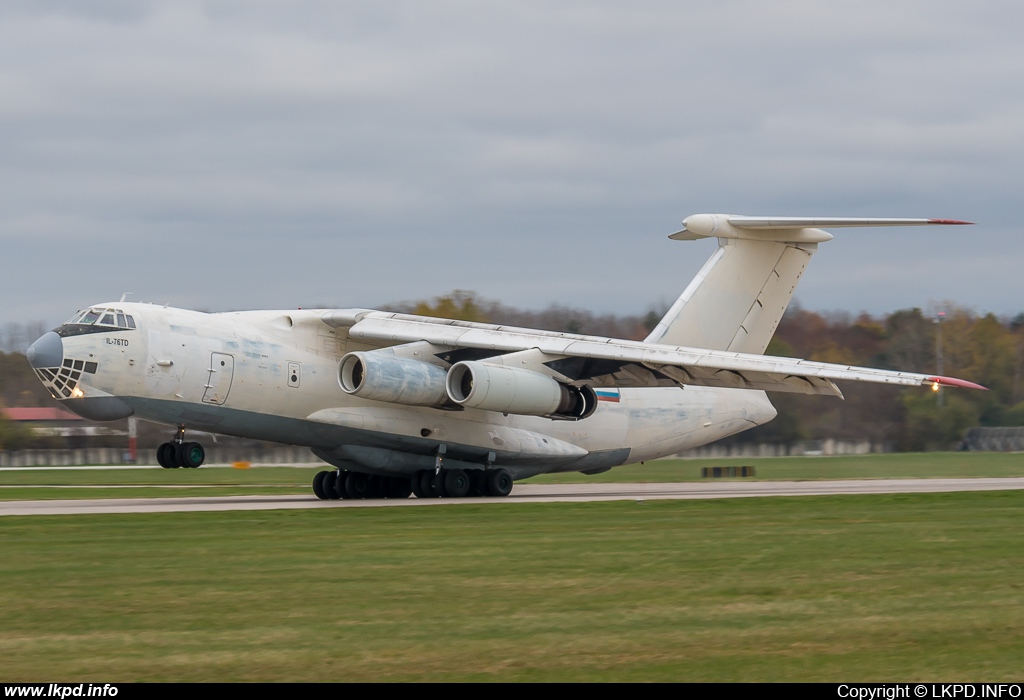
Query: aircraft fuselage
{"type": "Point", "coordinates": [274, 375]}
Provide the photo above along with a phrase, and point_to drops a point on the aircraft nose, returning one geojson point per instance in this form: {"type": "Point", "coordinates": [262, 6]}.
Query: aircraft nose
{"type": "Point", "coordinates": [48, 351]}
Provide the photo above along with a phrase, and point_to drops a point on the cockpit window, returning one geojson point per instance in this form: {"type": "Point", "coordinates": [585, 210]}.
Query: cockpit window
{"type": "Point", "coordinates": [113, 318]}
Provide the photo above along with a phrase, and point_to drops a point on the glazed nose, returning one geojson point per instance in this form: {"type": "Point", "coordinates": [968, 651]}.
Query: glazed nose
{"type": "Point", "coordinates": [48, 351]}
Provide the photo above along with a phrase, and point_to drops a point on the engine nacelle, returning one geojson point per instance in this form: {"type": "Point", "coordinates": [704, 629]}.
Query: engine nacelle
{"type": "Point", "coordinates": [384, 377]}
{"type": "Point", "coordinates": [520, 391]}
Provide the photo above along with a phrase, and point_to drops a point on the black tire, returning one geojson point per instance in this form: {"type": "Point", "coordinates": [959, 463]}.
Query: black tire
{"type": "Point", "coordinates": [162, 457]}
{"type": "Point", "coordinates": [499, 483]}
{"type": "Point", "coordinates": [414, 485]}
{"type": "Point", "coordinates": [427, 484]}
{"type": "Point", "coordinates": [377, 486]}
{"type": "Point", "coordinates": [438, 482]}
{"type": "Point", "coordinates": [176, 453]}
{"type": "Point", "coordinates": [192, 455]}
{"type": "Point", "coordinates": [400, 488]}
{"type": "Point", "coordinates": [357, 485]}
{"type": "Point", "coordinates": [329, 485]}
{"type": "Point", "coordinates": [477, 483]}
{"type": "Point", "coordinates": [318, 486]}
{"type": "Point", "coordinates": [341, 486]}
{"type": "Point", "coordinates": [173, 455]}
{"type": "Point", "coordinates": [456, 483]}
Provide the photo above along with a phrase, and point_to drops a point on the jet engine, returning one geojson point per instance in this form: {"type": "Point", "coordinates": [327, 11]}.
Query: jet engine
{"type": "Point", "coordinates": [520, 391]}
{"type": "Point", "coordinates": [384, 377]}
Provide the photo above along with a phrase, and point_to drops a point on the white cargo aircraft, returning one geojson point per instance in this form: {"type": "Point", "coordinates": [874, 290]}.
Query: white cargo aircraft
{"type": "Point", "coordinates": [402, 404]}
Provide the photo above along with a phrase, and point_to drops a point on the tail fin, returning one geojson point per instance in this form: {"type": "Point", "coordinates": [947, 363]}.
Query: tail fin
{"type": "Point", "coordinates": [738, 298]}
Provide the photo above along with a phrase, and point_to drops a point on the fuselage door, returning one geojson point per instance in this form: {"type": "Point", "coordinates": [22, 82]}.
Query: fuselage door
{"type": "Point", "coordinates": [219, 375]}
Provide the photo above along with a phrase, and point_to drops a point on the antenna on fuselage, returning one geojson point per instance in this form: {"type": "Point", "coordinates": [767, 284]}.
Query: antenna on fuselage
{"type": "Point", "coordinates": [124, 297]}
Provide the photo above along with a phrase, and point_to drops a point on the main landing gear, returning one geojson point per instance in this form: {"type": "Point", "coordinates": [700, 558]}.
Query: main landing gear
{"type": "Point", "coordinates": [178, 453]}
{"type": "Point", "coordinates": [456, 483]}
{"type": "Point", "coordinates": [447, 483]}
{"type": "Point", "coordinates": [329, 486]}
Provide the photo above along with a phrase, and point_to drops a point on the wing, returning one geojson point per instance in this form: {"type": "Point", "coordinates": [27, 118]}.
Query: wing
{"type": "Point", "coordinates": [579, 359]}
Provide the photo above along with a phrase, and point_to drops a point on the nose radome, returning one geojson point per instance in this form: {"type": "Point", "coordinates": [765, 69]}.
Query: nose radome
{"type": "Point", "coordinates": [48, 351]}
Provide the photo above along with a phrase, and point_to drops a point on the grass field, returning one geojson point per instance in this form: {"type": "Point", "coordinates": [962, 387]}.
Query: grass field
{"type": "Point", "coordinates": [876, 466]}
{"type": "Point", "coordinates": [44, 484]}
{"type": "Point", "coordinates": [223, 481]}
{"type": "Point", "coordinates": [903, 587]}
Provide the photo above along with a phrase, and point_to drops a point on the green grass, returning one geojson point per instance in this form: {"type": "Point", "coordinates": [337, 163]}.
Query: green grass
{"type": "Point", "coordinates": [219, 476]}
{"type": "Point", "coordinates": [49, 493]}
{"type": "Point", "coordinates": [154, 483]}
{"type": "Point", "coordinates": [875, 466]}
{"type": "Point", "coordinates": [871, 588]}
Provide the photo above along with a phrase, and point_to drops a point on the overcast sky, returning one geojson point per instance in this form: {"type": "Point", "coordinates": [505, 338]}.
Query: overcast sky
{"type": "Point", "coordinates": [231, 155]}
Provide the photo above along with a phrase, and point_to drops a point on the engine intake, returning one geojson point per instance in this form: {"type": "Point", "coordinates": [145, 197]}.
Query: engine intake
{"type": "Point", "coordinates": [521, 391]}
{"type": "Point", "coordinates": [381, 377]}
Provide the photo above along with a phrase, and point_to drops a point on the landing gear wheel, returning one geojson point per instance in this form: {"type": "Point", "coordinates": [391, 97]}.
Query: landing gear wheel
{"type": "Point", "coordinates": [438, 482]}
{"type": "Point", "coordinates": [499, 483]}
{"type": "Point", "coordinates": [377, 486]}
{"type": "Point", "coordinates": [477, 483]}
{"type": "Point", "coordinates": [400, 488]}
{"type": "Point", "coordinates": [330, 485]}
{"type": "Point", "coordinates": [427, 484]}
{"type": "Point", "coordinates": [173, 455]}
{"type": "Point", "coordinates": [341, 485]}
{"type": "Point", "coordinates": [165, 456]}
{"type": "Point", "coordinates": [415, 487]}
{"type": "Point", "coordinates": [456, 482]}
{"type": "Point", "coordinates": [318, 485]}
{"type": "Point", "coordinates": [192, 455]}
{"type": "Point", "coordinates": [357, 485]}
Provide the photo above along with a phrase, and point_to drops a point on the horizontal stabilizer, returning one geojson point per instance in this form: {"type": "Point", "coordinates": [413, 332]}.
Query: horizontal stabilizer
{"type": "Point", "coordinates": [763, 222]}
{"type": "Point", "coordinates": [794, 229]}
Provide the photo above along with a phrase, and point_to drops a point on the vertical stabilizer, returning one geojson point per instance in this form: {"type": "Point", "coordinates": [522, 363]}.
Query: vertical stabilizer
{"type": "Point", "coordinates": [738, 298]}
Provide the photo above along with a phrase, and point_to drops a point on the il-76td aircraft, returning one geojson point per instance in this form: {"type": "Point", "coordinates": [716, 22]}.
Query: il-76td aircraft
{"type": "Point", "coordinates": [402, 404]}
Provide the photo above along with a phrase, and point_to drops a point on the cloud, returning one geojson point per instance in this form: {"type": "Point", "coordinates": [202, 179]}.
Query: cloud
{"type": "Point", "coordinates": [266, 154]}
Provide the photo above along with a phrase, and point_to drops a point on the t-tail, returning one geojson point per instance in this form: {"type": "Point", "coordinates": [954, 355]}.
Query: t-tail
{"type": "Point", "coordinates": [738, 298]}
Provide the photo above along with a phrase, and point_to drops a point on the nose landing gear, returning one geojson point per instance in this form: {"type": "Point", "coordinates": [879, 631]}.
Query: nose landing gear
{"type": "Point", "coordinates": [178, 453]}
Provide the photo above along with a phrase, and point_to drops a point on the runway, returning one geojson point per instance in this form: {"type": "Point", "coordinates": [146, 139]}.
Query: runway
{"type": "Point", "coordinates": [524, 493]}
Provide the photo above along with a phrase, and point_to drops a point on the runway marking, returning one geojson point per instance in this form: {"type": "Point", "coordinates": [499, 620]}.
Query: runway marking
{"type": "Point", "coordinates": [524, 493]}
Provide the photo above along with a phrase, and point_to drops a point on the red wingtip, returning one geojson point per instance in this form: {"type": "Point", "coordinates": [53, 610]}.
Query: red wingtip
{"type": "Point", "coordinates": [950, 222]}
{"type": "Point", "coordinates": [953, 381]}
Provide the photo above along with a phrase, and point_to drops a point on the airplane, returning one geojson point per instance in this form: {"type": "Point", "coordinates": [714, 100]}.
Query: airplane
{"type": "Point", "coordinates": [400, 404]}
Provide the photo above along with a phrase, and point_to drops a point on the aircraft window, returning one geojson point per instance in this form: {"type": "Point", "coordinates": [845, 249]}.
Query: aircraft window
{"type": "Point", "coordinates": [114, 318]}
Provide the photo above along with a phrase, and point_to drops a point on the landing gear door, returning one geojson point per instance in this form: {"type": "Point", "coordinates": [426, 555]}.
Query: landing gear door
{"type": "Point", "coordinates": [219, 375]}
